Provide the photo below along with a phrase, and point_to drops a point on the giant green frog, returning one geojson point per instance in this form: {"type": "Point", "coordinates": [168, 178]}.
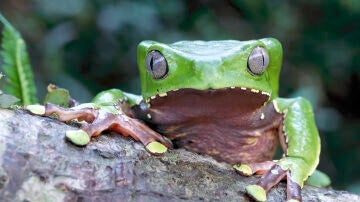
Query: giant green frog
{"type": "Point", "coordinates": [218, 98]}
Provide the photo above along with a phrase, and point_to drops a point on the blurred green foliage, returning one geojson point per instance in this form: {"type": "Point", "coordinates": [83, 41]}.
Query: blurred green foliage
{"type": "Point", "coordinates": [16, 65]}
{"type": "Point", "coordinates": [90, 45]}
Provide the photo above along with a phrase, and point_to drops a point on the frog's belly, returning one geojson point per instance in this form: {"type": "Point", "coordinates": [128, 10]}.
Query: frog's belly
{"type": "Point", "coordinates": [232, 127]}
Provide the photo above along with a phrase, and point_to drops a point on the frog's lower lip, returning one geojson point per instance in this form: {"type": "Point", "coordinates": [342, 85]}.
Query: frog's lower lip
{"type": "Point", "coordinates": [228, 89]}
{"type": "Point", "coordinates": [224, 99]}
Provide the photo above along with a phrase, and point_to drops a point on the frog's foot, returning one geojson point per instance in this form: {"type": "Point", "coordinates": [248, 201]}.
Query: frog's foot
{"type": "Point", "coordinates": [271, 178]}
{"type": "Point", "coordinates": [249, 169]}
{"type": "Point", "coordinates": [127, 126]}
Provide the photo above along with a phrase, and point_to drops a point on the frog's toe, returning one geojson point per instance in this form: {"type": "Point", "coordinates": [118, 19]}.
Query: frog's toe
{"type": "Point", "coordinates": [256, 192]}
{"type": "Point", "coordinates": [249, 169]}
{"type": "Point", "coordinates": [78, 137]}
{"type": "Point", "coordinates": [36, 109]}
{"type": "Point", "coordinates": [243, 169]}
{"type": "Point", "coordinates": [156, 148]}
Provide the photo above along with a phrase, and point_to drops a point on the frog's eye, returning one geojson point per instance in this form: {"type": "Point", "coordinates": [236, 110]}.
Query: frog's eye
{"type": "Point", "coordinates": [156, 64]}
{"type": "Point", "coordinates": [258, 60]}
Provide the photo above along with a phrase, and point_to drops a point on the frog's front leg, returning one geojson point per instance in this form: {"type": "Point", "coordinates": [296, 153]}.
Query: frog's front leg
{"type": "Point", "coordinates": [107, 118]}
{"type": "Point", "coordinates": [111, 111]}
{"type": "Point", "coordinates": [127, 126]}
{"type": "Point", "coordinates": [302, 149]}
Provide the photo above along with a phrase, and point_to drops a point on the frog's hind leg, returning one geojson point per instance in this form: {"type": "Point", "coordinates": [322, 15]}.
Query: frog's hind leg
{"type": "Point", "coordinates": [301, 143]}
{"type": "Point", "coordinates": [248, 169]}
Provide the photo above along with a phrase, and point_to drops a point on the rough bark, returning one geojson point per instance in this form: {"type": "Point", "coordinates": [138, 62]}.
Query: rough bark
{"type": "Point", "coordinates": [38, 164]}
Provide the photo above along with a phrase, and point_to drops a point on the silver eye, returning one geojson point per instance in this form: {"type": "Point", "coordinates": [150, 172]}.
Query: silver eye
{"type": "Point", "coordinates": [156, 64]}
{"type": "Point", "coordinates": [258, 60]}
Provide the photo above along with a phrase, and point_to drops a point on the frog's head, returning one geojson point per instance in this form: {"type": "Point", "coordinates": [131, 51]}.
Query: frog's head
{"type": "Point", "coordinates": [254, 65]}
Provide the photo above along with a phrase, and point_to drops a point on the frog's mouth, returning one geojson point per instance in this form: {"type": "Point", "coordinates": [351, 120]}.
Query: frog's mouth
{"type": "Point", "coordinates": [214, 103]}
{"type": "Point", "coordinates": [231, 124]}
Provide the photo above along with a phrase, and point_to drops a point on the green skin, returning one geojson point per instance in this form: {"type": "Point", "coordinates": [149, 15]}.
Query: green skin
{"type": "Point", "coordinates": [223, 64]}
{"type": "Point", "coordinates": [301, 134]}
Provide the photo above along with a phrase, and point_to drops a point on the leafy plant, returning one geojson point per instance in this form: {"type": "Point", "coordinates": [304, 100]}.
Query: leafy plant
{"type": "Point", "coordinates": [19, 77]}
{"type": "Point", "coordinates": [6, 100]}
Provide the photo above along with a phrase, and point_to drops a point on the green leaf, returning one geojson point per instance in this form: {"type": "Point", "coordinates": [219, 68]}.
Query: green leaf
{"type": "Point", "coordinates": [19, 77]}
{"type": "Point", "coordinates": [7, 100]}
{"type": "Point", "coordinates": [59, 96]}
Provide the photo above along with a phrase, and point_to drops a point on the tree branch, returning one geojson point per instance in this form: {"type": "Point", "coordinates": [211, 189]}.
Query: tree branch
{"type": "Point", "coordinates": [38, 164]}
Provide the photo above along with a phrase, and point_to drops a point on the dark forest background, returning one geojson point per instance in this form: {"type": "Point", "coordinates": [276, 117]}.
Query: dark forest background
{"type": "Point", "coordinates": [90, 45]}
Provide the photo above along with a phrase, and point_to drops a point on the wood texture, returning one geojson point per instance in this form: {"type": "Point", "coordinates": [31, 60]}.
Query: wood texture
{"type": "Point", "coordinates": [38, 164]}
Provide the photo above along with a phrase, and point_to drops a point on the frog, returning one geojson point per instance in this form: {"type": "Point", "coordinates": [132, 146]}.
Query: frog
{"type": "Point", "coordinates": [217, 98]}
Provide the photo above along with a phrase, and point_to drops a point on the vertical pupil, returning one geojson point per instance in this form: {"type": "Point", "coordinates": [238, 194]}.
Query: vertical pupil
{"type": "Point", "coordinates": [263, 59]}
{"type": "Point", "coordinates": [156, 65]}
{"type": "Point", "coordinates": [152, 63]}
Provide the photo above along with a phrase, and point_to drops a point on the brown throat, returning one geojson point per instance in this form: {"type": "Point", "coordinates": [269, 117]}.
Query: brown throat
{"type": "Point", "coordinates": [231, 124]}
